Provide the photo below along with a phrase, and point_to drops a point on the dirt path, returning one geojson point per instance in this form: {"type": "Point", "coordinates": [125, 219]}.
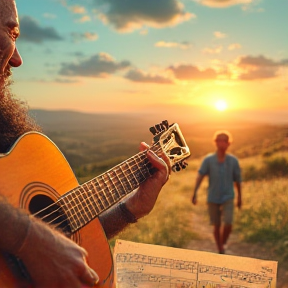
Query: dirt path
{"type": "Point", "coordinates": [235, 247]}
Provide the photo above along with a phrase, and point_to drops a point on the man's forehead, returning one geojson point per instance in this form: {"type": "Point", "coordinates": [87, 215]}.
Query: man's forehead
{"type": "Point", "coordinates": [222, 136]}
{"type": "Point", "coordinates": [8, 11]}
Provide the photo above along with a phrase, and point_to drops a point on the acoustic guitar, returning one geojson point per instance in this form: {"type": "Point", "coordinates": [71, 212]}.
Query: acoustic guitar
{"type": "Point", "coordinates": [35, 176]}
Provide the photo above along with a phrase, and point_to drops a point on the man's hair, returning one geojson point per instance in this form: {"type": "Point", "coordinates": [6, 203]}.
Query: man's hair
{"type": "Point", "coordinates": [223, 133]}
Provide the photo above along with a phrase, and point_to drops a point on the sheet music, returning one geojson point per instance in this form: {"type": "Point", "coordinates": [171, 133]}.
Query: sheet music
{"type": "Point", "coordinates": [153, 266]}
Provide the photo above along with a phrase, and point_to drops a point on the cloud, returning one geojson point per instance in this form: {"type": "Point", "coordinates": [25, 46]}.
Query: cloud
{"type": "Point", "coordinates": [86, 36]}
{"type": "Point", "coordinates": [32, 32]}
{"type": "Point", "coordinates": [181, 45]}
{"type": "Point", "coordinates": [219, 35]}
{"type": "Point", "coordinates": [215, 50]}
{"type": "Point", "coordinates": [128, 15]}
{"type": "Point", "coordinates": [137, 75]}
{"type": "Point", "coordinates": [65, 80]}
{"type": "Point", "coordinates": [258, 74]}
{"type": "Point", "coordinates": [190, 72]}
{"type": "Point", "coordinates": [223, 3]}
{"type": "Point", "coordinates": [99, 66]}
{"type": "Point", "coordinates": [83, 19]}
{"type": "Point", "coordinates": [259, 67]}
{"type": "Point", "coordinates": [77, 9]}
{"type": "Point", "coordinates": [261, 61]}
{"type": "Point", "coordinates": [234, 46]}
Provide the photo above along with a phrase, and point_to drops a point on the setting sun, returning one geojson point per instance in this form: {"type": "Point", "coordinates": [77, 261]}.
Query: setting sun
{"type": "Point", "coordinates": [221, 105]}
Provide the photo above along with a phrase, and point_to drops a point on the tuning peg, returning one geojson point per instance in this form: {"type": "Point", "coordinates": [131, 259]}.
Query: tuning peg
{"type": "Point", "coordinates": [165, 124]}
{"type": "Point", "coordinates": [176, 168]}
{"type": "Point", "coordinates": [179, 166]}
{"type": "Point", "coordinates": [183, 165]}
{"type": "Point", "coordinates": [158, 128]}
{"type": "Point", "coordinates": [153, 130]}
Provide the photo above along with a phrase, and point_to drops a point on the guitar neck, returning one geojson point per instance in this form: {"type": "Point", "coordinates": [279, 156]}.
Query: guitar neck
{"type": "Point", "coordinates": [87, 201]}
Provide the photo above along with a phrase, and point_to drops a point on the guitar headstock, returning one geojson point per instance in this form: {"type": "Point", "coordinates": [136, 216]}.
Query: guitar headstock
{"type": "Point", "coordinates": [172, 143]}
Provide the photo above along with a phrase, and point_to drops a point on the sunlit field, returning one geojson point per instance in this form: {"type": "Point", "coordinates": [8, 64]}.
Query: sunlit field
{"type": "Point", "coordinates": [262, 221]}
{"type": "Point", "coordinates": [263, 154]}
{"type": "Point", "coordinates": [263, 217]}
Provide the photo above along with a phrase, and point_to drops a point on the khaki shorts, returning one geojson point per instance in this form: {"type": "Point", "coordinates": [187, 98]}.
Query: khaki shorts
{"type": "Point", "coordinates": [218, 211]}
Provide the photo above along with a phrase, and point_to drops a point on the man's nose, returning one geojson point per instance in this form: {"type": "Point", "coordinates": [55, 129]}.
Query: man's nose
{"type": "Point", "coordinates": [15, 60]}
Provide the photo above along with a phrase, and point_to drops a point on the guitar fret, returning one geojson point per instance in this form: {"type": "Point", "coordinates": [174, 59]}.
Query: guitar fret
{"type": "Point", "coordinates": [104, 191]}
{"type": "Point", "coordinates": [86, 200]}
{"type": "Point", "coordinates": [136, 168]}
{"type": "Point", "coordinates": [91, 187]}
{"type": "Point", "coordinates": [78, 216]}
{"type": "Point", "coordinates": [72, 203]}
{"type": "Point", "coordinates": [99, 199]}
{"type": "Point", "coordinates": [143, 166]}
{"type": "Point", "coordinates": [112, 188]}
{"type": "Point", "coordinates": [67, 207]}
{"type": "Point", "coordinates": [107, 190]}
{"type": "Point", "coordinates": [75, 222]}
{"type": "Point", "coordinates": [122, 180]}
{"type": "Point", "coordinates": [90, 201]}
{"type": "Point", "coordinates": [132, 177]}
{"type": "Point", "coordinates": [125, 180]}
{"type": "Point", "coordinates": [119, 188]}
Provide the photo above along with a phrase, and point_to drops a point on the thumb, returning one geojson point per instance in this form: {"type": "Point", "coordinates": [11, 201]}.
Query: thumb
{"type": "Point", "coordinates": [89, 277]}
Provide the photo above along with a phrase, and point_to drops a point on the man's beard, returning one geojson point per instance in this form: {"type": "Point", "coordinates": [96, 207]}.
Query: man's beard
{"type": "Point", "coordinates": [14, 117]}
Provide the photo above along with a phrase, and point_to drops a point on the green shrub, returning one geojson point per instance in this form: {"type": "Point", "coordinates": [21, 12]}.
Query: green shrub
{"type": "Point", "coordinates": [251, 173]}
{"type": "Point", "coordinates": [264, 215]}
{"type": "Point", "coordinates": [271, 168]}
{"type": "Point", "coordinates": [277, 166]}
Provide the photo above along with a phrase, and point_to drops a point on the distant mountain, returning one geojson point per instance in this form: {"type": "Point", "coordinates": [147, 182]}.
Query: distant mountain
{"type": "Point", "coordinates": [73, 120]}
{"type": "Point", "coordinates": [89, 138]}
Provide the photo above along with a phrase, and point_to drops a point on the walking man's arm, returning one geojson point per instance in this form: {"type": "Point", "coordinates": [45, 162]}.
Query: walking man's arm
{"type": "Point", "coordinates": [197, 185]}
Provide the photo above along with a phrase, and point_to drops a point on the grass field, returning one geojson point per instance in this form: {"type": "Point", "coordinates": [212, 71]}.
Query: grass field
{"type": "Point", "coordinates": [263, 154]}
{"type": "Point", "coordinates": [263, 217]}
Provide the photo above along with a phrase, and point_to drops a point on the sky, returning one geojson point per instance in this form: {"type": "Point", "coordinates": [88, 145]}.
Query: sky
{"type": "Point", "coordinates": [177, 57]}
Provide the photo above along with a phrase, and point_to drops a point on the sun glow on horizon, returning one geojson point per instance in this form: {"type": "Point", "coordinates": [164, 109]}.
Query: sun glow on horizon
{"type": "Point", "coordinates": [221, 105]}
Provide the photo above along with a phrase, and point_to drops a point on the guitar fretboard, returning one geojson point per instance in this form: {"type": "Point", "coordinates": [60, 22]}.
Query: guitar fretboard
{"type": "Point", "coordinates": [86, 202]}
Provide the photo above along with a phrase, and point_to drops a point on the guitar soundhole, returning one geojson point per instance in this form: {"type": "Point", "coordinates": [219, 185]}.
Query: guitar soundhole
{"type": "Point", "coordinates": [47, 210]}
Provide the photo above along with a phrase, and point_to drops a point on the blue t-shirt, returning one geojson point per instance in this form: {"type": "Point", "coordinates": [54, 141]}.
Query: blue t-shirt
{"type": "Point", "coordinates": [221, 177]}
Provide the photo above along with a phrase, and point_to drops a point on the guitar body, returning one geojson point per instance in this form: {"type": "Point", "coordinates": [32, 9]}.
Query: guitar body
{"type": "Point", "coordinates": [33, 175]}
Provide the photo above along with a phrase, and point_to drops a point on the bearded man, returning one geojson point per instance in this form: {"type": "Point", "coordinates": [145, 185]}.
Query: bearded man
{"type": "Point", "coordinates": [51, 259]}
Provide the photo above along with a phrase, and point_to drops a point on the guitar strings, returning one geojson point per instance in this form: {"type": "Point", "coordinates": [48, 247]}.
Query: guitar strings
{"type": "Point", "coordinates": [111, 196]}
{"type": "Point", "coordinates": [112, 193]}
{"type": "Point", "coordinates": [57, 202]}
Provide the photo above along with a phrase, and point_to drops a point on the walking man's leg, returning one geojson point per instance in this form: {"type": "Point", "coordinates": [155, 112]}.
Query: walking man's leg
{"type": "Point", "coordinates": [228, 210]}
{"type": "Point", "coordinates": [218, 238]}
{"type": "Point", "coordinates": [215, 220]}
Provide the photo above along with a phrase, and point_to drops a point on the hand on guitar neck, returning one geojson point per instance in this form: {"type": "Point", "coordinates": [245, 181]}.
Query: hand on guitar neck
{"type": "Point", "coordinates": [146, 195]}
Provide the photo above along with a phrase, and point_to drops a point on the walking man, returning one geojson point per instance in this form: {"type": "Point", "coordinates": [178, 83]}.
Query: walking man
{"type": "Point", "coordinates": [223, 171]}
